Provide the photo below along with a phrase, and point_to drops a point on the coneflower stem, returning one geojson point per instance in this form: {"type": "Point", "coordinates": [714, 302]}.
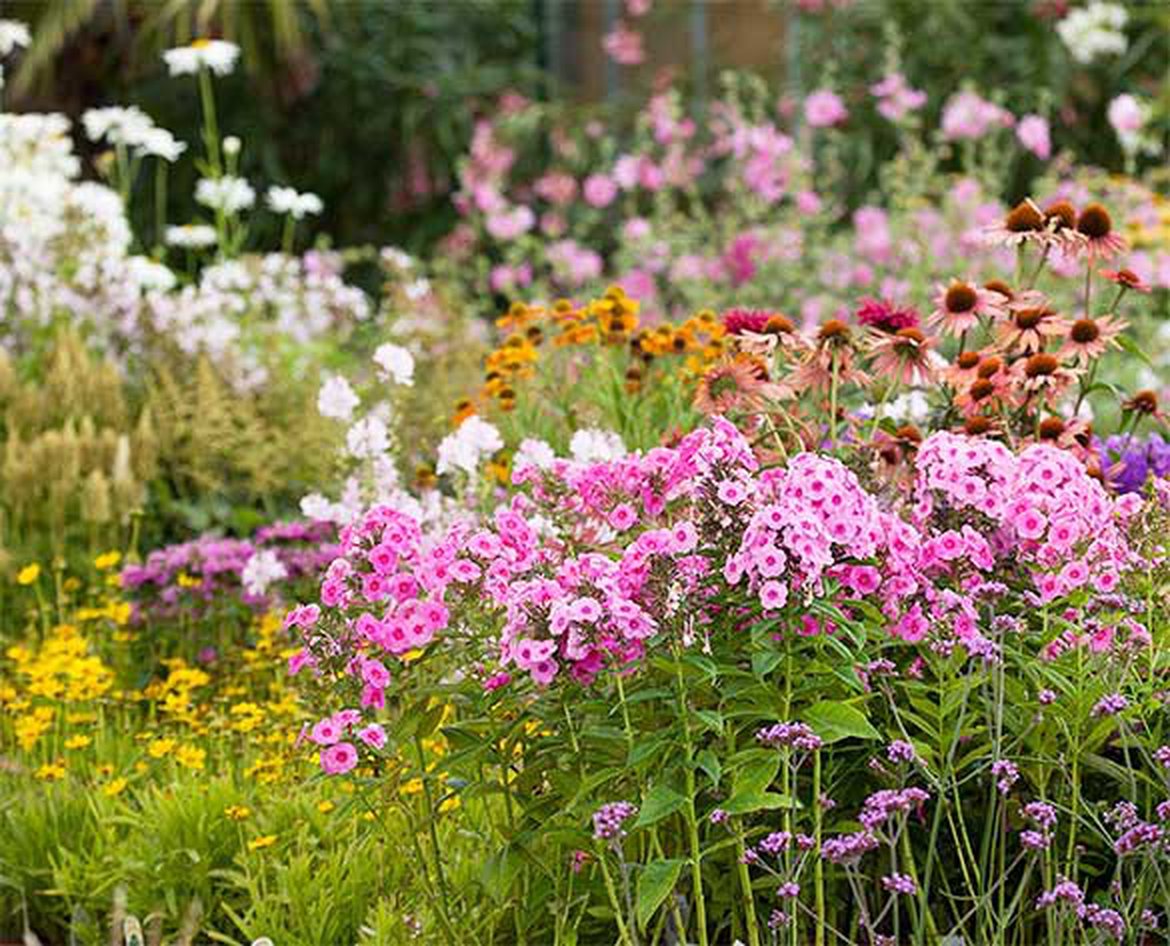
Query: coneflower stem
{"type": "Point", "coordinates": [833, 400]}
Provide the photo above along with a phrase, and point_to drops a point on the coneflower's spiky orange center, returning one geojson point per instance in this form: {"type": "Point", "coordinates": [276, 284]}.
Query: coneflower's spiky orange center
{"type": "Point", "coordinates": [909, 433]}
{"type": "Point", "coordinates": [998, 285]}
{"type": "Point", "coordinates": [1144, 402]}
{"type": "Point", "coordinates": [976, 425]}
{"type": "Point", "coordinates": [1030, 318]}
{"type": "Point", "coordinates": [989, 367]}
{"type": "Point", "coordinates": [967, 360]}
{"type": "Point", "coordinates": [1024, 218]}
{"type": "Point", "coordinates": [1095, 222]}
{"type": "Point", "coordinates": [980, 389]}
{"type": "Point", "coordinates": [1061, 215]}
{"type": "Point", "coordinates": [1084, 331]}
{"type": "Point", "coordinates": [1051, 428]}
{"type": "Point", "coordinates": [961, 298]}
{"type": "Point", "coordinates": [1041, 365]}
{"type": "Point", "coordinates": [779, 325]}
{"type": "Point", "coordinates": [833, 329]}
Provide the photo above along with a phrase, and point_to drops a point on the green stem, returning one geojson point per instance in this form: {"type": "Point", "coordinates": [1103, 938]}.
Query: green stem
{"type": "Point", "coordinates": [210, 124]}
{"type": "Point", "coordinates": [689, 811]}
{"type": "Point", "coordinates": [745, 888]}
{"type": "Point", "coordinates": [611, 891]}
{"type": "Point", "coordinates": [818, 862]}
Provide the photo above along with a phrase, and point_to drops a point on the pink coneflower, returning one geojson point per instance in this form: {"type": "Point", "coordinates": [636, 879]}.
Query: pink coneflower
{"type": "Point", "coordinates": [834, 351]}
{"type": "Point", "coordinates": [1127, 279]}
{"type": "Point", "coordinates": [1031, 323]}
{"type": "Point", "coordinates": [1100, 240]}
{"type": "Point", "coordinates": [1042, 374]}
{"type": "Point", "coordinates": [1024, 223]}
{"type": "Point", "coordinates": [964, 369]}
{"type": "Point", "coordinates": [739, 383]}
{"type": "Point", "coordinates": [959, 307]}
{"type": "Point", "coordinates": [885, 316]}
{"type": "Point", "coordinates": [1089, 339]}
{"type": "Point", "coordinates": [905, 357]}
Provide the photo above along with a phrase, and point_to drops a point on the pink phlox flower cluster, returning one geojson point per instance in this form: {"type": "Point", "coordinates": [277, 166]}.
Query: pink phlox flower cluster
{"type": "Point", "coordinates": [1041, 505]}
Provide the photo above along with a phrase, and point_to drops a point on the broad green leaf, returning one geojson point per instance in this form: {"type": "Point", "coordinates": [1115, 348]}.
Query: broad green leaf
{"type": "Point", "coordinates": [747, 802]}
{"type": "Point", "coordinates": [661, 801]}
{"type": "Point", "coordinates": [709, 763]}
{"type": "Point", "coordinates": [655, 883]}
{"type": "Point", "coordinates": [834, 721]}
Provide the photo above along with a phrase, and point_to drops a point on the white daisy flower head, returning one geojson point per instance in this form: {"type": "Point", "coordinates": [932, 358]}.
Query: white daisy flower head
{"type": "Point", "coordinates": [228, 194]}
{"type": "Point", "coordinates": [216, 55]}
{"type": "Point", "coordinates": [160, 143]}
{"type": "Point", "coordinates": [396, 363]}
{"type": "Point", "coordinates": [13, 35]}
{"type": "Point", "coordinates": [191, 236]}
{"type": "Point", "coordinates": [285, 200]}
{"type": "Point", "coordinates": [129, 125]}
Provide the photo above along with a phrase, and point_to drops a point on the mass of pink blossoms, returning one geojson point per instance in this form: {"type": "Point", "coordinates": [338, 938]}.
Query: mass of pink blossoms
{"type": "Point", "coordinates": [579, 570]}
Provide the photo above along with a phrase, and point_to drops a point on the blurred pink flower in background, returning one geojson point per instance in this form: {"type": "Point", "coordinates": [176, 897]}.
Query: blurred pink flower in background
{"type": "Point", "coordinates": [1033, 134]}
{"type": "Point", "coordinates": [824, 108]}
{"type": "Point", "coordinates": [896, 98]}
{"type": "Point", "coordinates": [599, 190]}
{"type": "Point", "coordinates": [969, 115]}
{"type": "Point", "coordinates": [624, 45]}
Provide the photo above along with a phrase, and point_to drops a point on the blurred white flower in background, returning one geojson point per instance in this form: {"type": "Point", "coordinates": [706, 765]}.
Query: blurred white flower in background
{"type": "Point", "coordinates": [118, 125]}
{"type": "Point", "coordinates": [13, 35]}
{"type": "Point", "coordinates": [191, 236]}
{"type": "Point", "coordinates": [261, 570]}
{"type": "Point", "coordinates": [228, 194]}
{"type": "Point", "coordinates": [396, 363]}
{"type": "Point", "coordinates": [367, 438]}
{"type": "Point", "coordinates": [1095, 30]}
{"type": "Point", "coordinates": [337, 399]}
{"type": "Point", "coordinates": [596, 446]}
{"type": "Point", "coordinates": [285, 200]}
{"type": "Point", "coordinates": [216, 55]}
{"type": "Point", "coordinates": [463, 449]}
{"type": "Point", "coordinates": [160, 143]}
{"type": "Point", "coordinates": [149, 275]}
{"type": "Point", "coordinates": [533, 452]}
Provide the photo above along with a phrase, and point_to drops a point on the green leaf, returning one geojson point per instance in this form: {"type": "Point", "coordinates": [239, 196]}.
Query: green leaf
{"type": "Point", "coordinates": [710, 719]}
{"type": "Point", "coordinates": [1129, 346]}
{"type": "Point", "coordinates": [757, 773]}
{"type": "Point", "coordinates": [655, 883]}
{"type": "Point", "coordinates": [834, 721]}
{"type": "Point", "coordinates": [709, 763]}
{"type": "Point", "coordinates": [661, 801]}
{"type": "Point", "coordinates": [747, 802]}
{"type": "Point", "coordinates": [765, 662]}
